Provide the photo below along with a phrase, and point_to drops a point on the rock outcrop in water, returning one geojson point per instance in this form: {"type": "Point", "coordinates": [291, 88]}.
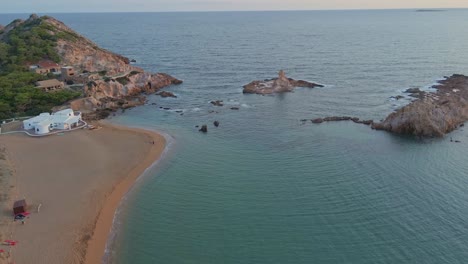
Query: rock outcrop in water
{"type": "Point", "coordinates": [217, 103]}
{"type": "Point", "coordinates": [204, 129]}
{"type": "Point", "coordinates": [282, 84]}
{"type": "Point", "coordinates": [166, 94]}
{"type": "Point", "coordinates": [434, 114]}
{"type": "Point", "coordinates": [342, 118]}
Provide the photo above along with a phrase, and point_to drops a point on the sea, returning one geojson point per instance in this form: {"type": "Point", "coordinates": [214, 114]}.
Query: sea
{"type": "Point", "coordinates": [265, 186]}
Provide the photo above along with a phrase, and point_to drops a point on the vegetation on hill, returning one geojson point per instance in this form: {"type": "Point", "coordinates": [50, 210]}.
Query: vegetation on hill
{"type": "Point", "coordinates": [27, 43]}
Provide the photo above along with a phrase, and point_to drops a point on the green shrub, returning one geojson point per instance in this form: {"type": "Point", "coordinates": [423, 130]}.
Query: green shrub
{"type": "Point", "coordinates": [122, 80]}
{"type": "Point", "coordinates": [26, 44]}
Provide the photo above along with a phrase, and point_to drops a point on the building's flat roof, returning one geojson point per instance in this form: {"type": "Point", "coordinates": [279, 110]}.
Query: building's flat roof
{"type": "Point", "coordinates": [73, 119]}
{"type": "Point", "coordinates": [39, 118]}
{"type": "Point", "coordinates": [49, 83]}
{"type": "Point", "coordinates": [64, 112]}
{"type": "Point", "coordinates": [57, 117]}
{"type": "Point", "coordinates": [45, 122]}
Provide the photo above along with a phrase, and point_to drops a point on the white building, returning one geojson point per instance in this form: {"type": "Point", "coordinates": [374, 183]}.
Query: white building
{"type": "Point", "coordinates": [46, 123]}
{"type": "Point", "coordinates": [42, 127]}
{"type": "Point", "coordinates": [31, 123]}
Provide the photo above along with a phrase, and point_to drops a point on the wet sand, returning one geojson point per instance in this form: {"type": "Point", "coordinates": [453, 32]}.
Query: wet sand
{"type": "Point", "coordinates": [77, 180]}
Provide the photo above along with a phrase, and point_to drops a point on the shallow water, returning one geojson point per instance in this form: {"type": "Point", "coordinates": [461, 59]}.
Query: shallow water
{"type": "Point", "coordinates": [265, 188]}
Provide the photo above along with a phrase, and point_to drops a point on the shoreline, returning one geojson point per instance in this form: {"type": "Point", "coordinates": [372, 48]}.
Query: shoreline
{"type": "Point", "coordinates": [96, 169]}
{"type": "Point", "coordinates": [97, 245]}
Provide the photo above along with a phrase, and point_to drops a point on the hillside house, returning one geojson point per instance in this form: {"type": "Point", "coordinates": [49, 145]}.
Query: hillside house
{"type": "Point", "coordinates": [68, 71]}
{"type": "Point", "coordinates": [45, 66]}
{"type": "Point", "coordinates": [50, 85]}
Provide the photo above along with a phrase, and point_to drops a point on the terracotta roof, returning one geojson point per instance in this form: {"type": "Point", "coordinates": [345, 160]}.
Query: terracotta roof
{"type": "Point", "coordinates": [47, 64]}
{"type": "Point", "coordinates": [49, 83]}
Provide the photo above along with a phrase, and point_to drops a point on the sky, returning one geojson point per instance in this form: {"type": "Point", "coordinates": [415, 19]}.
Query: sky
{"type": "Point", "coordinates": [59, 6]}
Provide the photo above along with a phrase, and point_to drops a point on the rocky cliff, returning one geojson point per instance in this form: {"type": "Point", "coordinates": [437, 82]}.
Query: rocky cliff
{"type": "Point", "coordinates": [121, 93]}
{"type": "Point", "coordinates": [433, 114]}
{"type": "Point", "coordinates": [83, 54]}
{"type": "Point", "coordinates": [109, 80]}
{"type": "Point", "coordinates": [282, 84]}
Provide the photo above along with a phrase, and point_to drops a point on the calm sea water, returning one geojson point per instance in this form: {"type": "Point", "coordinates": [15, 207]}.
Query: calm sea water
{"type": "Point", "coordinates": [265, 188]}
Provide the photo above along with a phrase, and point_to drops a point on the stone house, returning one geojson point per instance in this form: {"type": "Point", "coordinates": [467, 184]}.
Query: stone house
{"type": "Point", "coordinates": [50, 85]}
{"type": "Point", "coordinates": [45, 66]}
{"type": "Point", "coordinates": [68, 71]}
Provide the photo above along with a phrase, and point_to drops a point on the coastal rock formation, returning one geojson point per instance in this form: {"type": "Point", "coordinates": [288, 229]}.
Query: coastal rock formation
{"type": "Point", "coordinates": [112, 94]}
{"type": "Point", "coordinates": [83, 54]}
{"type": "Point", "coordinates": [110, 82]}
{"type": "Point", "coordinates": [434, 114]}
{"type": "Point", "coordinates": [281, 84]}
{"type": "Point", "coordinates": [342, 118]}
{"type": "Point", "coordinates": [415, 92]}
{"type": "Point", "coordinates": [398, 97]}
{"type": "Point", "coordinates": [165, 94]}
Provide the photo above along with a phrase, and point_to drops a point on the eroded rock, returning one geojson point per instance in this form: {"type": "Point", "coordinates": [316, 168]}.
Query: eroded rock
{"type": "Point", "coordinates": [282, 84]}
{"type": "Point", "coordinates": [434, 114]}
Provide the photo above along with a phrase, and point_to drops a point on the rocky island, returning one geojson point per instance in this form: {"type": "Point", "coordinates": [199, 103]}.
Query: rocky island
{"type": "Point", "coordinates": [433, 114]}
{"type": "Point", "coordinates": [77, 73]}
{"type": "Point", "coordinates": [282, 84]}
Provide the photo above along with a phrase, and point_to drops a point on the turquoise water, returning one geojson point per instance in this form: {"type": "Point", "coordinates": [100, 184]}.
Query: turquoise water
{"type": "Point", "coordinates": [265, 188]}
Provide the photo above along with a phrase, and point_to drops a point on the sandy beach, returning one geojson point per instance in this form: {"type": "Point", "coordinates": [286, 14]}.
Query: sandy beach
{"type": "Point", "coordinates": [73, 184]}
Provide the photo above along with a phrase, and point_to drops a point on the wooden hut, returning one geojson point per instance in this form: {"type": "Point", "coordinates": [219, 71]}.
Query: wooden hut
{"type": "Point", "coordinates": [20, 207]}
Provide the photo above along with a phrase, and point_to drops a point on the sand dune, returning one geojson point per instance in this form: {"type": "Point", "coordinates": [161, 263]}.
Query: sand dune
{"type": "Point", "coordinates": [72, 177]}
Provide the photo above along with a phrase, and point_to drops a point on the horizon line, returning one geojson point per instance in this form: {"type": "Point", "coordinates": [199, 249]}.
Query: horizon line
{"type": "Point", "coordinates": [224, 11]}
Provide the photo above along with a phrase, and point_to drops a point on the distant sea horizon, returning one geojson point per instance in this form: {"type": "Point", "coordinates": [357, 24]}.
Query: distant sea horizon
{"type": "Point", "coordinates": [236, 11]}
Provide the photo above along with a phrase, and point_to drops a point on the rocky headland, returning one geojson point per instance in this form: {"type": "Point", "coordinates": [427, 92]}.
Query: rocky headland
{"type": "Point", "coordinates": [282, 84]}
{"type": "Point", "coordinates": [433, 114]}
{"type": "Point", "coordinates": [106, 80]}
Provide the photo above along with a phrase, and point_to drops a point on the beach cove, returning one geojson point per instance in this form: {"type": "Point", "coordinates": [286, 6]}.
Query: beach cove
{"type": "Point", "coordinates": [265, 187]}
{"type": "Point", "coordinates": [73, 189]}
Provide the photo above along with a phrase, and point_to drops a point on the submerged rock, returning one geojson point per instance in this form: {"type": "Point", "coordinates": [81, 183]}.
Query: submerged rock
{"type": "Point", "coordinates": [317, 121]}
{"type": "Point", "coordinates": [217, 103]}
{"type": "Point", "coordinates": [341, 118]}
{"type": "Point", "coordinates": [204, 129]}
{"type": "Point", "coordinates": [282, 84]}
{"type": "Point", "coordinates": [398, 97]}
{"type": "Point", "coordinates": [165, 94]}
